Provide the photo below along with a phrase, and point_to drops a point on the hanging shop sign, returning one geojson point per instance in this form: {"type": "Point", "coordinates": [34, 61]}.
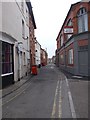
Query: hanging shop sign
{"type": "Point", "coordinates": [68, 29]}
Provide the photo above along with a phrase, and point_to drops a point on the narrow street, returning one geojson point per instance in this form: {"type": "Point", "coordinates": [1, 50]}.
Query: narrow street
{"type": "Point", "coordinates": [44, 59]}
{"type": "Point", "coordinates": [48, 95]}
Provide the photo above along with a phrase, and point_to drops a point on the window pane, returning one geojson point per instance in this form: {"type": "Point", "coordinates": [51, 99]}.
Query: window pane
{"type": "Point", "coordinates": [6, 58]}
{"type": "Point", "coordinates": [10, 58]}
{"type": "Point", "coordinates": [69, 35]}
{"type": "Point", "coordinates": [70, 56]}
{"type": "Point", "coordinates": [82, 20]}
{"type": "Point", "coordinates": [61, 38]}
{"type": "Point", "coordinates": [86, 22]}
{"type": "Point", "coordinates": [69, 23]}
{"type": "Point", "coordinates": [10, 67]}
{"type": "Point", "coordinates": [80, 25]}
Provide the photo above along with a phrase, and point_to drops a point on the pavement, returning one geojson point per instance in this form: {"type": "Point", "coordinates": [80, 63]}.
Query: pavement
{"type": "Point", "coordinates": [79, 87]}
{"type": "Point", "coordinates": [9, 89]}
{"type": "Point", "coordinates": [13, 87]}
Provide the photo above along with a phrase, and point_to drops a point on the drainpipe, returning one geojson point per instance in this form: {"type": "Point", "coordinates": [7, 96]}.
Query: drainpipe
{"type": "Point", "coordinates": [65, 56]}
{"type": "Point", "coordinates": [19, 60]}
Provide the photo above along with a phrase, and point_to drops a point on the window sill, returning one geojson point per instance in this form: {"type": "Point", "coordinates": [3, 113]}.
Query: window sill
{"type": "Point", "coordinates": [7, 74]}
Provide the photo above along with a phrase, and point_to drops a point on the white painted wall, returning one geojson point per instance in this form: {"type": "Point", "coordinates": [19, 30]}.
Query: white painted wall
{"type": "Point", "coordinates": [38, 53]}
{"type": "Point", "coordinates": [12, 17]}
{"type": "Point", "coordinates": [0, 16]}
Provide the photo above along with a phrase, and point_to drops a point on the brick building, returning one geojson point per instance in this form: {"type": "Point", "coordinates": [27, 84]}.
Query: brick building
{"type": "Point", "coordinates": [53, 59]}
{"type": "Point", "coordinates": [32, 28]}
{"type": "Point", "coordinates": [73, 40]}
{"type": "Point", "coordinates": [44, 57]}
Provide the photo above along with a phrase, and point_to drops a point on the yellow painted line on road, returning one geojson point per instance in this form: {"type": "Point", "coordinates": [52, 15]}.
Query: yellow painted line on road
{"type": "Point", "coordinates": [15, 96]}
{"type": "Point", "coordinates": [60, 101]}
{"type": "Point", "coordinates": [58, 96]}
{"type": "Point", "coordinates": [54, 105]}
{"type": "Point", "coordinates": [70, 100]}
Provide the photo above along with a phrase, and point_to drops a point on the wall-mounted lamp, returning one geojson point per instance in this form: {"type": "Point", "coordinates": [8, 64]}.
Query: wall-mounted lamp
{"type": "Point", "coordinates": [25, 38]}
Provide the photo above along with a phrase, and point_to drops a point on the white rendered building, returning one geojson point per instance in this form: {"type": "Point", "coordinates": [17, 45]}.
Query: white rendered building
{"type": "Point", "coordinates": [37, 53]}
{"type": "Point", "coordinates": [14, 40]}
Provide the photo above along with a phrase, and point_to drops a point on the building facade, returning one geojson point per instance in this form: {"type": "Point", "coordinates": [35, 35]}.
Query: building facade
{"type": "Point", "coordinates": [44, 57]}
{"type": "Point", "coordinates": [53, 59]}
{"type": "Point", "coordinates": [32, 38]}
{"type": "Point", "coordinates": [49, 61]}
{"type": "Point", "coordinates": [37, 53]}
{"type": "Point", "coordinates": [73, 40]}
{"type": "Point", "coordinates": [14, 41]}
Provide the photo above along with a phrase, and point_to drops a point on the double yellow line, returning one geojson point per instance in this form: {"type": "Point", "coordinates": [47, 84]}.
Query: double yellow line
{"type": "Point", "coordinates": [57, 93]}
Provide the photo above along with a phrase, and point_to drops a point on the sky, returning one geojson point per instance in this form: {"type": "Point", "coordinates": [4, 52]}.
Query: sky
{"type": "Point", "coordinates": [49, 17]}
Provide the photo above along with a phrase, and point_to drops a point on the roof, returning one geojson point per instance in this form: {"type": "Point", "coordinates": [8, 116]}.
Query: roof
{"type": "Point", "coordinates": [31, 12]}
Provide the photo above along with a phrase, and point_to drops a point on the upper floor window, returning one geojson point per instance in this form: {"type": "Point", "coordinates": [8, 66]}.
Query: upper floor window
{"type": "Point", "coordinates": [24, 60]}
{"type": "Point", "coordinates": [82, 20]}
{"type": "Point", "coordinates": [69, 29]}
{"type": "Point", "coordinates": [69, 23]}
{"type": "Point", "coordinates": [22, 6]}
{"type": "Point", "coordinates": [61, 40]}
{"type": "Point", "coordinates": [23, 29]}
{"type": "Point", "coordinates": [69, 35]}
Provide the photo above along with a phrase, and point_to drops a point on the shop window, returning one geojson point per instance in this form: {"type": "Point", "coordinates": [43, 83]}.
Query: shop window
{"type": "Point", "coordinates": [7, 60]}
{"type": "Point", "coordinates": [70, 56]}
{"type": "Point", "coordinates": [82, 20]}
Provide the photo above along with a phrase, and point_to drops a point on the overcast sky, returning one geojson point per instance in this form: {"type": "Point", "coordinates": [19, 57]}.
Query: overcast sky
{"type": "Point", "coordinates": [49, 16]}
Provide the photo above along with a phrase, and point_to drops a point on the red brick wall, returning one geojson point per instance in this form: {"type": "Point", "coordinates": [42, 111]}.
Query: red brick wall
{"type": "Point", "coordinates": [73, 16]}
{"type": "Point", "coordinates": [75, 10]}
{"type": "Point", "coordinates": [82, 42]}
{"type": "Point", "coordinates": [44, 57]}
{"type": "Point", "coordinates": [32, 42]}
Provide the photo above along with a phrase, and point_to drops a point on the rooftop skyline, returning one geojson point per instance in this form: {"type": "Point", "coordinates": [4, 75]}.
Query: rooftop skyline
{"type": "Point", "coordinates": [49, 17]}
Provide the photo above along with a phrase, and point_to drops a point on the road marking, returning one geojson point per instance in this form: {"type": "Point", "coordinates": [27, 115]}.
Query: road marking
{"type": "Point", "coordinates": [52, 67]}
{"type": "Point", "coordinates": [70, 100]}
{"type": "Point", "coordinates": [15, 96]}
{"type": "Point", "coordinates": [66, 82]}
{"type": "Point", "coordinates": [77, 77]}
{"type": "Point", "coordinates": [57, 97]}
{"type": "Point", "coordinates": [54, 105]}
{"type": "Point", "coordinates": [60, 101]}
